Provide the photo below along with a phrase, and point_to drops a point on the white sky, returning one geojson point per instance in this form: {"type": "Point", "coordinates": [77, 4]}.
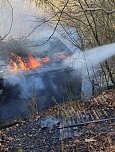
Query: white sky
{"type": "Point", "coordinates": [23, 12]}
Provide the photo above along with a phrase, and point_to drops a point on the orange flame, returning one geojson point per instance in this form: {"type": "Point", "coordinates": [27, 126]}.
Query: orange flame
{"type": "Point", "coordinates": [14, 65]}
{"type": "Point", "coordinates": [20, 64]}
{"type": "Point", "coordinates": [32, 63]}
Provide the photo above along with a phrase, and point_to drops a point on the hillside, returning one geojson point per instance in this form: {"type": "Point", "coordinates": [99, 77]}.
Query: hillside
{"type": "Point", "coordinates": [83, 126]}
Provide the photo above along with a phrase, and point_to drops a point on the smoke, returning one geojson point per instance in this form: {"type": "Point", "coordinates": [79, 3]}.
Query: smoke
{"type": "Point", "coordinates": [87, 62]}
{"type": "Point", "coordinates": [25, 18]}
{"type": "Point", "coordinates": [90, 58]}
{"type": "Point", "coordinates": [28, 22]}
{"type": "Point", "coordinates": [25, 24]}
{"type": "Point", "coordinates": [27, 85]}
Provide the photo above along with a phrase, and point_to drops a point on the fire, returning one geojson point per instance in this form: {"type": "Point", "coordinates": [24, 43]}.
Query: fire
{"type": "Point", "coordinates": [32, 63]}
{"type": "Point", "coordinates": [14, 65]}
{"type": "Point", "coordinates": [19, 63]}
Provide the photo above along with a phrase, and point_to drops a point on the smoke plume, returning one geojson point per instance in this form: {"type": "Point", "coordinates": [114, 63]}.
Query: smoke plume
{"type": "Point", "coordinates": [90, 58]}
{"type": "Point", "coordinates": [24, 21]}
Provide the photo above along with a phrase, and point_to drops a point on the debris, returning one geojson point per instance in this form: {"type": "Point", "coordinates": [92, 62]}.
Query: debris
{"type": "Point", "coordinates": [90, 140]}
{"type": "Point", "coordinates": [91, 128]}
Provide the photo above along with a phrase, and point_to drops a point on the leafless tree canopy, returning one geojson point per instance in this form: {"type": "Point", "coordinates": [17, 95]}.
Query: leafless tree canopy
{"type": "Point", "coordinates": [93, 21]}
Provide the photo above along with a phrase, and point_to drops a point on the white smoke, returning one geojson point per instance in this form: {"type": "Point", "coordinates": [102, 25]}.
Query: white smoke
{"type": "Point", "coordinates": [28, 86]}
{"type": "Point", "coordinates": [87, 62]}
{"type": "Point", "coordinates": [24, 23]}
{"type": "Point", "coordinates": [28, 22]}
{"type": "Point", "coordinates": [24, 19]}
{"type": "Point", "coordinates": [90, 58]}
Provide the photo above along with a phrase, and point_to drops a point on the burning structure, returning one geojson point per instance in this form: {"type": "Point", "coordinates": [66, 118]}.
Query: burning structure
{"type": "Point", "coordinates": [38, 75]}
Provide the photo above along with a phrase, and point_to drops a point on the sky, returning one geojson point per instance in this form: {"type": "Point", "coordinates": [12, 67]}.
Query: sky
{"type": "Point", "coordinates": [23, 16]}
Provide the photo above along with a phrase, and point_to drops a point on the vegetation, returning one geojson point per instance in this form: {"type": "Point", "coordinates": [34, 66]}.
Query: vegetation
{"type": "Point", "coordinates": [92, 20]}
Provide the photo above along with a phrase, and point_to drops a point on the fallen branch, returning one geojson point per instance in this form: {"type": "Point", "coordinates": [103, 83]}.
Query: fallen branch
{"type": "Point", "coordinates": [86, 123]}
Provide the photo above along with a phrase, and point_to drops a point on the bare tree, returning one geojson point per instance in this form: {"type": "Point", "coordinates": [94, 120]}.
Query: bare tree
{"type": "Point", "coordinates": [93, 20]}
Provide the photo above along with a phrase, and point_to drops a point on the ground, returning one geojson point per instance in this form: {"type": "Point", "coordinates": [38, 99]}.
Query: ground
{"type": "Point", "coordinates": [79, 126]}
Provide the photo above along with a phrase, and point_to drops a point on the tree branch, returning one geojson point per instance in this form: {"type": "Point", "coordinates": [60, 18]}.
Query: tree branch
{"type": "Point", "coordinates": [11, 22]}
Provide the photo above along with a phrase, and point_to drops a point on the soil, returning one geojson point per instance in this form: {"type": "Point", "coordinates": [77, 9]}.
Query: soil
{"type": "Point", "coordinates": [54, 130]}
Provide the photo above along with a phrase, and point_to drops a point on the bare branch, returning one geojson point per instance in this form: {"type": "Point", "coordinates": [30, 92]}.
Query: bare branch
{"type": "Point", "coordinates": [56, 25]}
{"type": "Point", "coordinates": [98, 9]}
{"type": "Point", "coordinates": [11, 22]}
